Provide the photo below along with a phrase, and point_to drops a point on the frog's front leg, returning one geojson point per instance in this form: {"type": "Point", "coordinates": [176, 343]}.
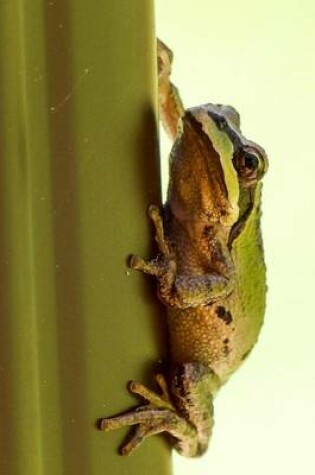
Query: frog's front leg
{"type": "Point", "coordinates": [182, 291]}
{"type": "Point", "coordinates": [170, 104]}
{"type": "Point", "coordinates": [190, 424]}
{"type": "Point", "coordinates": [164, 266]}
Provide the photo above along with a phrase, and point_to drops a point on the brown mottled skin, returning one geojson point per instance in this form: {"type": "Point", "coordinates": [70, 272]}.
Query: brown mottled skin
{"type": "Point", "coordinates": [210, 268]}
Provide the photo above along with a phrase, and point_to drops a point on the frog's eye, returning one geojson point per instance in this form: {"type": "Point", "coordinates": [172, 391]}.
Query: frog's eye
{"type": "Point", "coordinates": [249, 165]}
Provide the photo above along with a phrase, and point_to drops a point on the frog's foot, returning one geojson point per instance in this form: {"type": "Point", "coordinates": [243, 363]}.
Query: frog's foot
{"type": "Point", "coordinates": [164, 266]}
{"type": "Point", "coordinates": [159, 415]}
{"type": "Point", "coordinates": [157, 219]}
{"type": "Point", "coordinates": [164, 269]}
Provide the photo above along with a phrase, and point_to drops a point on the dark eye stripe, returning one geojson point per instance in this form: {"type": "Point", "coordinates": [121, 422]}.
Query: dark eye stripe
{"type": "Point", "coordinates": [239, 142]}
{"type": "Point", "coordinates": [222, 124]}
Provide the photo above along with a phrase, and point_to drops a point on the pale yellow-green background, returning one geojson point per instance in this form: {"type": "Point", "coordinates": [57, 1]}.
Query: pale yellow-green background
{"type": "Point", "coordinates": [260, 57]}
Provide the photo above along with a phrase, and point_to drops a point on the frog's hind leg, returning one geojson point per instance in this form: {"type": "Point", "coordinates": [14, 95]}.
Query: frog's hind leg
{"type": "Point", "coordinates": [188, 421]}
{"type": "Point", "coordinates": [159, 415]}
{"type": "Point", "coordinates": [150, 421]}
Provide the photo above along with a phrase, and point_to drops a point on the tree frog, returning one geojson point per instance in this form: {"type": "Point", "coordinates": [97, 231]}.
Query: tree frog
{"type": "Point", "coordinates": [209, 268]}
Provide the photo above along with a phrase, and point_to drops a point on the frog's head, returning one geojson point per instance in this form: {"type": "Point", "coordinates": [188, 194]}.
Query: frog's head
{"type": "Point", "coordinates": [216, 168]}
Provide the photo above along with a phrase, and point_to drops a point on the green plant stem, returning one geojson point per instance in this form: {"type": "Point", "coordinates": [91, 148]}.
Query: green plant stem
{"type": "Point", "coordinates": [79, 167]}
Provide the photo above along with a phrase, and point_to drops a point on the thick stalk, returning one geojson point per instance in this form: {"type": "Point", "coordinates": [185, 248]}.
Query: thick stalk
{"type": "Point", "coordinates": [79, 167]}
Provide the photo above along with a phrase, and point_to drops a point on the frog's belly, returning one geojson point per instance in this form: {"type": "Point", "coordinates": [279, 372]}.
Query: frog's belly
{"type": "Point", "coordinates": [208, 335]}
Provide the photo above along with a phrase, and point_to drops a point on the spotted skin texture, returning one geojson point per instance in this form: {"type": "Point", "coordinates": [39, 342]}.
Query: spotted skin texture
{"type": "Point", "coordinates": [209, 269]}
